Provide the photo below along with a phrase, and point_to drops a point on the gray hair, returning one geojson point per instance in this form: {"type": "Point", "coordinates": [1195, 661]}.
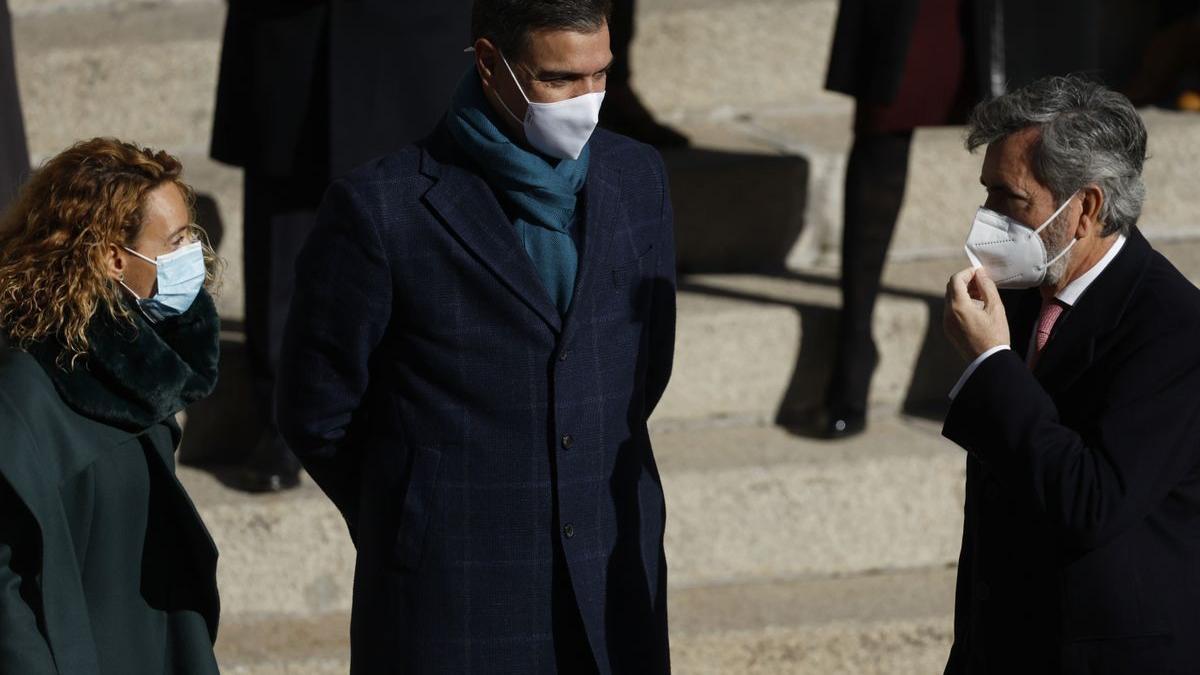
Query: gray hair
{"type": "Point", "coordinates": [1090, 135]}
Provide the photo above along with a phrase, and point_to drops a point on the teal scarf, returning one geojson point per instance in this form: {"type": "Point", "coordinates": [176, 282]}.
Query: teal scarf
{"type": "Point", "coordinates": [542, 196]}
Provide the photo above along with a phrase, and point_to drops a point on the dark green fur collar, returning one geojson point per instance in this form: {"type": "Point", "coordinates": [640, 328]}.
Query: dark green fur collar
{"type": "Point", "coordinates": [137, 376]}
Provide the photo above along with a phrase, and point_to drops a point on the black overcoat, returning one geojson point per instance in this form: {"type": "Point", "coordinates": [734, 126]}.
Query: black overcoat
{"type": "Point", "coordinates": [47, 548]}
{"type": "Point", "coordinates": [466, 429]}
{"type": "Point", "coordinates": [325, 85]}
{"type": "Point", "coordinates": [1081, 547]}
{"type": "Point", "coordinates": [872, 39]}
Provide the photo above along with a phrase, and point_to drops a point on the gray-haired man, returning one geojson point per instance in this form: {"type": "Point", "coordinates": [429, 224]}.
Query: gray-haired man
{"type": "Point", "coordinates": [1080, 408]}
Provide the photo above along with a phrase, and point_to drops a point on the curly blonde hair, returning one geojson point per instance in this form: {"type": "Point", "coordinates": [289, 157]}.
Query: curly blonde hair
{"type": "Point", "coordinates": [55, 240]}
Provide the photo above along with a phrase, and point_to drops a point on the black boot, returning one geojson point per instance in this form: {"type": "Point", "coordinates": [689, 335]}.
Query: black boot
{"type": "Point", "coordinates": [271, 467]}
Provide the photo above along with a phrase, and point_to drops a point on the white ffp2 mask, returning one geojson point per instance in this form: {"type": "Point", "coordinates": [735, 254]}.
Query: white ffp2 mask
{"type": "Point", "coordinates": [1013, 254]}
{"type": "Point", "coordinates": [562, 129]}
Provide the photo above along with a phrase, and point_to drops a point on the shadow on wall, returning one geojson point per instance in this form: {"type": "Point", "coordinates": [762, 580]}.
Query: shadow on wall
{"type": "Point", "coordinates": [736, 212]}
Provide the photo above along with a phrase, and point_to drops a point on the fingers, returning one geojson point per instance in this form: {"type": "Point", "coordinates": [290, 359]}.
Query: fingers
{"type": "Point", "coordinates": [991, 294]}
{"type": "Point", "coordinates": [956, 289]}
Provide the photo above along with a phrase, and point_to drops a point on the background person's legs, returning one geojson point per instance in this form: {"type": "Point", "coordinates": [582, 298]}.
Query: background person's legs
{"type": "Point", "coordinates": [14, 153]}
{"type": "Point", "coordinates": [876, 174]}
{"type": "Point", "coordinates": [279, 215]}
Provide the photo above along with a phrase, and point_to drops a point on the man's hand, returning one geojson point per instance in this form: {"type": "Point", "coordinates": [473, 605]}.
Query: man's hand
{"type": "Point", "coordinates": [974, 318]}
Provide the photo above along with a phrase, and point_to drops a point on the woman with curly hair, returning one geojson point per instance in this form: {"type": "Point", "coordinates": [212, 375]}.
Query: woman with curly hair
{"type": "Point", "coordinates": [105, 566]}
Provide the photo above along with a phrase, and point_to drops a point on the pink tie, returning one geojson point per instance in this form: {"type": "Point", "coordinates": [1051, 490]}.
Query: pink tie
{"type": "Point", "coordinates": [1050, 312]}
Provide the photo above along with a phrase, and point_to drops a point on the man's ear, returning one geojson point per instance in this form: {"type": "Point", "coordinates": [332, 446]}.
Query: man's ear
{"type": "Point", "coordinates": [1091, 200]}
{"type": "Point", "coordinates": [115, 260]}
{"type": "Point", "coordinates": [487, 58]}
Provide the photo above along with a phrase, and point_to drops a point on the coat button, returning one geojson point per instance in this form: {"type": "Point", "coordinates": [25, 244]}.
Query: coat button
{"type": "Point", "coordinates": [567, 441]}
{"type": "Point", "coordinates": [569, 531]}
{"type": "Point", "coordinates": [563, 356]}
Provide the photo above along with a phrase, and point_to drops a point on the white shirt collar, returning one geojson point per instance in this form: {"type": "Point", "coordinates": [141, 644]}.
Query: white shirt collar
{"type": "Point", "coordinates": [1070, 294]}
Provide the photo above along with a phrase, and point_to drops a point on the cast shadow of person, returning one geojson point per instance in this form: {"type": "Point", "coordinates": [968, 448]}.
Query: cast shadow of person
{"type": "Point", "coordinates": [741, 213]}
{"type": "Point", "coordinates": [934, 371]}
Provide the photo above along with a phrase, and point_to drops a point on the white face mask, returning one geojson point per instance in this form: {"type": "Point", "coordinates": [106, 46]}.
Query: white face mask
{"type": "Point", "coordinates": [561, 129]}
{"type": "Point", "coordinates": [1013, 254]}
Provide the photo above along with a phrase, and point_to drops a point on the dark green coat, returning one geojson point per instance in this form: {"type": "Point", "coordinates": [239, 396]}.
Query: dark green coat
{"type": "Point", "coordinates": [105, 566]}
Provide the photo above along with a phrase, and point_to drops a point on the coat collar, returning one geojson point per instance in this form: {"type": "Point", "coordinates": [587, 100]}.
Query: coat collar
{"type": "Point", "coordinates": [137, 376]}
{"type": "Point", "coordinates": [468, 206]}
{"type": "Point", "coordinates": [1098, 312]}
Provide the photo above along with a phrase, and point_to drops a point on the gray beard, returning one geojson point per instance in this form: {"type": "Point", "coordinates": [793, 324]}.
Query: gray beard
{"type": "Point", "coordinates": [1055, 233]}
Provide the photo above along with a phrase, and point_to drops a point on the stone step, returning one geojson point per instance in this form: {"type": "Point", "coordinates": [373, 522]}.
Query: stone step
{"type": "Point", "coordinates": [742, 505]}
{"type": "Point", "coordinates": [897, 624]}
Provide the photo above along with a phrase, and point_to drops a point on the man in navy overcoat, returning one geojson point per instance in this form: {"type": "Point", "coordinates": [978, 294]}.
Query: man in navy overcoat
{"type": "Point", "coordinates": [483, 324]}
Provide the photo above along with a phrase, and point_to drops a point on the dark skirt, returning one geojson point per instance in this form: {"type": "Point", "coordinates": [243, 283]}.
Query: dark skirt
{"type": "Point", "coordinates": [933, 87]}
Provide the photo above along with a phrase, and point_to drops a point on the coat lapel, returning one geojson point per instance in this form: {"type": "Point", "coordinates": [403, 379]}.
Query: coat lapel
{"type": "Point", "coordinates": [1073, 346]}
{"type": "Point", "coordinates": [601, 199]}
{"type": "Point", "coordinates": [466, 204]}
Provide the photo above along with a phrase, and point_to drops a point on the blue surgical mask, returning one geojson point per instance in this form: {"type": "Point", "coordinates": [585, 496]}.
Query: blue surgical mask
{"type": "Point", "coordinates": [180, 277]}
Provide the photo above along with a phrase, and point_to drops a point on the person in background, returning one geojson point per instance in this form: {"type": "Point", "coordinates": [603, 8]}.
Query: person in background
{"type": "Point", "coordinates": [623, 111]}
{"type": "Point", "coordinates": [1080, 407]}
{"type": "Point", "coordinates": [14, 155]}
{"type": "Point", "coordinates": [306, 92]}
{"type": "Point", "coordinates": [483, 324]}
{"type": "Point", "coordinates": [105, 566]}
{"type": "Point", "coordinates": [909, 64]}
{"type": "Point", "coordinates": [1169, 67]}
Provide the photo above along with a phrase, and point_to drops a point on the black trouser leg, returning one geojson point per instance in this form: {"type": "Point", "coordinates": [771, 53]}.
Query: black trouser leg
{"type": "Point", "coordinates": [14, 154]}
{"type": "Point", "coordinates": [279, 215]}
{"type": "Point", "coordinates": [875, 180]}
{"type": "Point", "coordinates": [621, 36]}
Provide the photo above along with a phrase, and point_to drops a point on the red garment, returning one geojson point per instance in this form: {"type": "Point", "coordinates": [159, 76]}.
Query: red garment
{"type": "Point", "coordinates": [932, 90]}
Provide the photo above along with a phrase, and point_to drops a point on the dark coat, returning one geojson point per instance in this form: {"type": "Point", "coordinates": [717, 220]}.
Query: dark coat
{"type": "Point", "coordinates": [872, 39]}
{"type": "Point", "coordinates": [14, 155]}
{"type": "Point", "coordinates": [325, 85]}
{"type": "Point", "coordinates": [78, 469]}
{"type": "Point", "coordinates": [466, 430]}
{"type": "Point", "coordinates": [1081, 548]}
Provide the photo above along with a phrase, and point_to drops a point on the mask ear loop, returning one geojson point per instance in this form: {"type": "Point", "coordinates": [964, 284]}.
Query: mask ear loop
{"type": "Point", "coordinates": [1056, 213]}
{"type": "Point", "coordinates": [122, 279]}
{"type": "Point", "coordinates": [131, 291]}
{"type": "Point", "coordinates": [519, 88]}
{"type": "Point", "coordinates": [1047, 224]}
{"type": "Point", "coordinates": [152, 262]}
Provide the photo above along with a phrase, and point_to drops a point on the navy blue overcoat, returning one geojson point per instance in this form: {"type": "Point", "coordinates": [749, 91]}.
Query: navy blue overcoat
{"type": "Point", "coordinates": [469, 433]}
